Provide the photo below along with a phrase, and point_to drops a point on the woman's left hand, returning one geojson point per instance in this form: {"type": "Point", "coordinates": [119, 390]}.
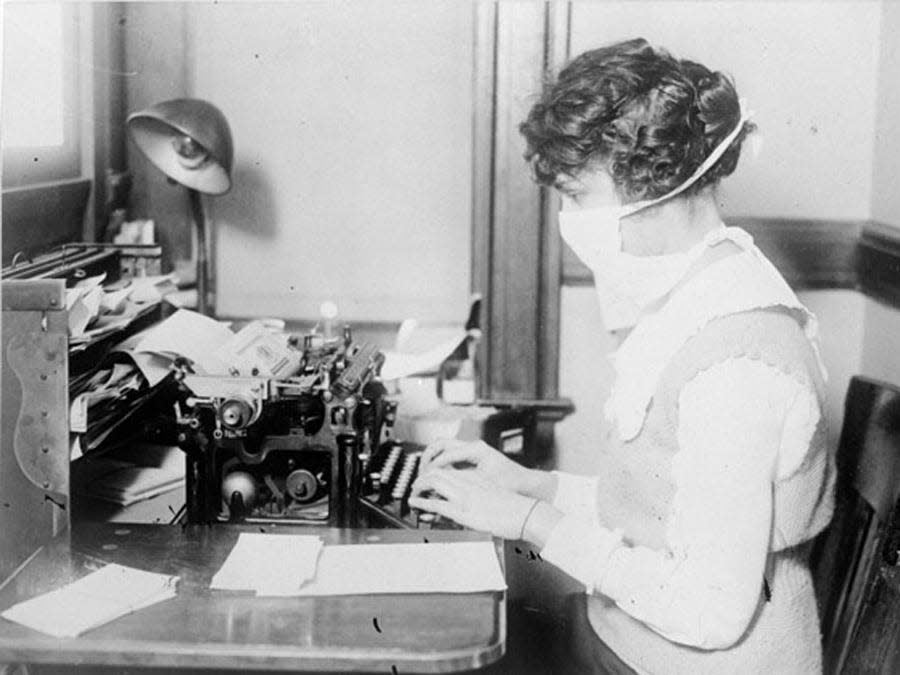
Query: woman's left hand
{"type": "Point", "coordinates": [472, 502]}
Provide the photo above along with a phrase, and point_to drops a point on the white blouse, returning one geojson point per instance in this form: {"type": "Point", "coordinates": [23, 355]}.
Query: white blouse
{"type": "Point", "coordinates": [704, 587]}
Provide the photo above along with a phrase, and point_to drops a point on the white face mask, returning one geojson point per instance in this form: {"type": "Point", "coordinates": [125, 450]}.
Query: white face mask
{"type": "Point", "coordinates": [627, 285]}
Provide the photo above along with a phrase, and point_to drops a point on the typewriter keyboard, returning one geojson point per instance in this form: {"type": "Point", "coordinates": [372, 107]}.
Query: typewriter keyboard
{"type": "Point", "coordinates": [388, 484]}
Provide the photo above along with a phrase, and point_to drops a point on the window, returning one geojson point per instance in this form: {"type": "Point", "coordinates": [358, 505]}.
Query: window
{"type": "Point", "coordinates": [40, 98]}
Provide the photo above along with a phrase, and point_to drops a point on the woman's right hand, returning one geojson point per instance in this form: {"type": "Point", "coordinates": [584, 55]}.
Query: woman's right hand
{"type": "Point", "coordinates": [488, 464]}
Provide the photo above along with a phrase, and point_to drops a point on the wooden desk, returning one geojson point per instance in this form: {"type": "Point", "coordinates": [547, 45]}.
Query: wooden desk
{"type": "Point", "coordinates": [201, 628]}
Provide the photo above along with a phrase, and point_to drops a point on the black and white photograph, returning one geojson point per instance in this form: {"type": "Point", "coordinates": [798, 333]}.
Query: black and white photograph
{"type": "Point", "coordinates": [501, 337]}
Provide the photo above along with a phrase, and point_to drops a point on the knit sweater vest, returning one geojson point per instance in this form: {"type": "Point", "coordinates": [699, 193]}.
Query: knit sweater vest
{"type": "Point", "coordinates": [636, 489]}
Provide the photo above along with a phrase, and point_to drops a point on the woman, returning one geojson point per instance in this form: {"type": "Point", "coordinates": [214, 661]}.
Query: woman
{"type": "Point", "coordinates": [690, 541]}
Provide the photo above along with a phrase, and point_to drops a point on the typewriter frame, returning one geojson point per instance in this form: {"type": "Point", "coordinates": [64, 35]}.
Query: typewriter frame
{"type": "Point", "coordinates": [249, 421]}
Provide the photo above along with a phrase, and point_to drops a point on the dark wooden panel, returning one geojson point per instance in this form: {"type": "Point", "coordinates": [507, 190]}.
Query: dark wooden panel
{"type": "Point", "coordinates": [556, 50]}
{"type": "Point", "coordinates": [483, 175]}
{"type": "Point", "coordinates": [508, 238]}
{"type": "Point", "coordinates": [513, 325]}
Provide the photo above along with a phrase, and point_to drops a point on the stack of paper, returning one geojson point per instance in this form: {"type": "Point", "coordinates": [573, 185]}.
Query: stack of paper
{"type": "Point", "coordinates": [270, 564]}
{"type": "Point", "coordinates": [92, 601]}
{"type": "Point", "coordinates": [95, 310]}
{"type": "Point", "coordinates": [130, 474]}
{"type": "Point", "coordinates": [109, 404]}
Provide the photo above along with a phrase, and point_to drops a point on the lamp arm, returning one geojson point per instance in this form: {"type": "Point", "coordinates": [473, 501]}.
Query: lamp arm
{"type": "Point", "coordinates": [202, 260]}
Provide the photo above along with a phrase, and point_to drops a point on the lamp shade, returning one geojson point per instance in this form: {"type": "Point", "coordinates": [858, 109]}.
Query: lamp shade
{"type": "Point", "coordinates": [188, 140]}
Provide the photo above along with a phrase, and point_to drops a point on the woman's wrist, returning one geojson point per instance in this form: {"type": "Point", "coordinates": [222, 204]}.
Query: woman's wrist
{"type": "Point", "coordinates": [539, 524]}
{"type": "Point", "coordinates": [539, 485]}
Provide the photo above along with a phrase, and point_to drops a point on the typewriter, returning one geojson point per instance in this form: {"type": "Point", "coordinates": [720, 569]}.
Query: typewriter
{"type": "Point", "coordinates": [287, 449]}
{"type": "Point", "coordinates": [311, 442]}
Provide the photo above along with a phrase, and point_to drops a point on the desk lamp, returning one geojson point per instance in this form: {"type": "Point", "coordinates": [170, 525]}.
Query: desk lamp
{"type": "Point", "coordinates": [190, 142]}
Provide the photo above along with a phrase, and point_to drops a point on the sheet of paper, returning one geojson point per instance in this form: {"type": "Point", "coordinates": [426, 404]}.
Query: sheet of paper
{"type": "Point", "coordinates": [439, 567]}
{"type": "Point", "coordinates": [402, 364]}
{"type": "Point", "coordinates": [93, 600]}
{"type": "Point", "coordinates": [191, 335]}
{"type": "Point", "coordinates": [91, 282]}
{"type": "Point", "coordinates": [75, 451]}
{"type": "Point", "coordinates": [270, 564]}
{"type": "Point", "coordinates": [92, 299]}
{"type": "Point", "coordinates": [151, 288]}
{"type": "Point", "coordinates": [114, 301]}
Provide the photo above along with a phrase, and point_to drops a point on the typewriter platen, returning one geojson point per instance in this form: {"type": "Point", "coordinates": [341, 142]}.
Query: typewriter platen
{"type": "Point", "coordinates": [291, 449]}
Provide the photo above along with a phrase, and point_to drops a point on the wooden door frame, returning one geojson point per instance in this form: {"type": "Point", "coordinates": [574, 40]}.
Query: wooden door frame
{"type": "Point", "coordinates": [516, 251]}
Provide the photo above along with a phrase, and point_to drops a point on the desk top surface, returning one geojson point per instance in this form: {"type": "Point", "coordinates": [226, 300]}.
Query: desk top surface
{"type": "Point", "coordinates": [201, 628]}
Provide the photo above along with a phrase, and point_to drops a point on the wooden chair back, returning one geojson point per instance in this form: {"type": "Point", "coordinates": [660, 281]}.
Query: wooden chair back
{"type": "Point", "coordinates": [854, 560]}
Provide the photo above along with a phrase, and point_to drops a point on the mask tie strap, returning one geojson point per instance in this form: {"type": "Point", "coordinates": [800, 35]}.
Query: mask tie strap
{"type": "Point", "coordinates": [707, 164]}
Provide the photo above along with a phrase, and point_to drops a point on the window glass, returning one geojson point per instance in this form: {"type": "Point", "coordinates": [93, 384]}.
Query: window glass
{"type": "Point", "coordinates": [39, 97]}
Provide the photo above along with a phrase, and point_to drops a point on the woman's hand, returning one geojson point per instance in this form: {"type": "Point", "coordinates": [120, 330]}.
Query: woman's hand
{"type": "Point", "coordinates": [481, 460]}
{"type": "Point", "coordinates": [473, 502]}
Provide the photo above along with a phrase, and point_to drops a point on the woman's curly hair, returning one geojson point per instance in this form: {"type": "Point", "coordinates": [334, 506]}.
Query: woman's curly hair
{"type": "Point", "coordinates": [648, 119]}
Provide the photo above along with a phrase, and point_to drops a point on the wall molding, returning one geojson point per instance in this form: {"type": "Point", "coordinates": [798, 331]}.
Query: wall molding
{"type": "Point", "coordinates": [812, 254]}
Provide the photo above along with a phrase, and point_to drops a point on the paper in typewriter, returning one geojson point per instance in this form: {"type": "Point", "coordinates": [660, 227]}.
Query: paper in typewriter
{"type": "Point", "coordinates": [438, 567]}
{"type": "Point", "coordinates": [93, 600]}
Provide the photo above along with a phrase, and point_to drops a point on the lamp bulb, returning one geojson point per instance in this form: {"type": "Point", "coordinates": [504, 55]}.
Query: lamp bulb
{"type": "Point", "coordinates": [191, 155]}
{"type": "Point", "coordinates": [328, 310]}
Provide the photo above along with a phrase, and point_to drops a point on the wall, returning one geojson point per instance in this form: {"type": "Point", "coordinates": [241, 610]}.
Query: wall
{"type": "Point", "coordinates": [811, 73]}
{"type": "Point", "coordinates": [886, 165]}
{"type": "Point", "coordinates": [585, 376]}
{"type": "Point", "coordinates": [808, 71]}
{"type": "Point", "coordinates": [352, 126]}
{"type": "Point", "coordinates": [842, 336]}
{"type": "Point", "coordinates": [882, 322]}
{"type": "Point", "coordinates": [880, 358]}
